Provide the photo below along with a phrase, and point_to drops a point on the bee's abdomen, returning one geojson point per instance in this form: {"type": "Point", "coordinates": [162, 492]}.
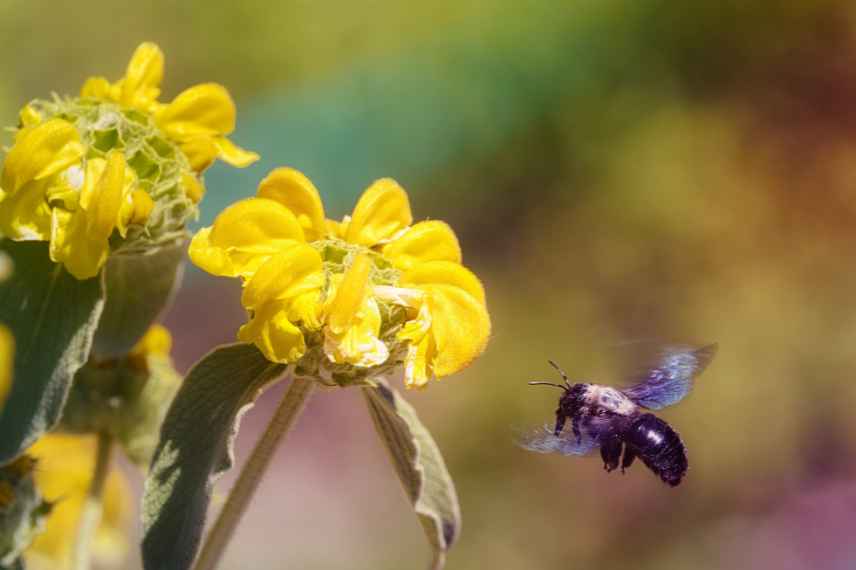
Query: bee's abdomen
{"type": "Point", "coordinates": [659, 447]}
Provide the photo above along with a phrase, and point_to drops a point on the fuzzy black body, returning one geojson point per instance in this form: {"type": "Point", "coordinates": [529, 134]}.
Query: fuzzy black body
{"type": "Point", "coordinates": [616, 420]}
{"type": "Point", "coordinates": [658, 446]}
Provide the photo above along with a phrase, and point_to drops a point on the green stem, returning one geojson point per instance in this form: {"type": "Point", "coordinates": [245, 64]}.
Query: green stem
{"type": "Point", "coordinates": [90, 516]}
{"type": "Point", "coordinates": [242, 492]}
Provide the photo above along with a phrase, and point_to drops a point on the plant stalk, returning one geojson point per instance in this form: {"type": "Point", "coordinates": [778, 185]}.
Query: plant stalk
{"type": "Point", "coordinates": [242, 492]}
{"type": "Point", "coordinates": [90, 516]}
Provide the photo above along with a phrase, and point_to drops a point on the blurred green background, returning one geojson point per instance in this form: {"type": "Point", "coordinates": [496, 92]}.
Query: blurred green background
{"type": "Point", "coordinates": [618, 171]}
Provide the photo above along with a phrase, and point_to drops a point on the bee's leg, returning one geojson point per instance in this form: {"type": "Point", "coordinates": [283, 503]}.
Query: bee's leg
{"type": "Point", "coordinates": [628, 458]}
{"type": "Point", "coordinates": [610, 451]}
{"type": "Point", "coordinates": [575, 424]}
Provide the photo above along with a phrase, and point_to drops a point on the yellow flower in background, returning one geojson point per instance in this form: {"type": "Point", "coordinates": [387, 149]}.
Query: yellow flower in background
{"type": "Point", "coordinates": [50, 194]}
{"type": "Point", "coordinates": [7, 359]}
{"type": "Point", "coordinates": [64, 468]}
{"type": "Point", "coordinates": [198, 119]}
{"type": "Point", "coordinates": [371, 284]}
{"type": "Point", "coordinates": [114, 169]}
{"type": "Point", "coordinates": [156, 341]}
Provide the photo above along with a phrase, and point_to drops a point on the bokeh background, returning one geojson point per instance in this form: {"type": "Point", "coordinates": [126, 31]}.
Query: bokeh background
{"type": "Point", "coordinates": [619, 172]}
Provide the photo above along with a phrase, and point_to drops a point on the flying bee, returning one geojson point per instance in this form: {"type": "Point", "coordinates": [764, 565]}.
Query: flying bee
{"type": "Point", "coordinates": [616, 420]}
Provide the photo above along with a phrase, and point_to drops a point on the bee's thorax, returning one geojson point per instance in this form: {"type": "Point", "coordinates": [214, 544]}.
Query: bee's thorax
{"type": "Point", "coordinates": [610, 399]}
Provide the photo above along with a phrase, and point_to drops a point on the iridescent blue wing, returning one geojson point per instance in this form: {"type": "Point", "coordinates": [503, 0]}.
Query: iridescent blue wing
{"type": "Point", "coordinates": [544, 441]}
{"type": "Point", "coordinates": [671, 378]}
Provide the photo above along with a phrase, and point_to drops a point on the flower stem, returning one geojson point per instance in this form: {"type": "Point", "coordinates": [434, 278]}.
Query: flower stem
{"type": "Point", "coordinates": [239, 498]}
{"type": "Point", "coordinates": [90, 516]}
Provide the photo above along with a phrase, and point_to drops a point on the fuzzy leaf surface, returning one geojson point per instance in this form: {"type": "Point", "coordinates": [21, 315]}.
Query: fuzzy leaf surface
{"type": "Point", "coordinates": [138, 288]}
{"type": "Point", "coordinates": [420, 467]}
{"type": "Point", "coordinates": [53, 317]}
{"type": "Point", "coordinates": [197, 446]}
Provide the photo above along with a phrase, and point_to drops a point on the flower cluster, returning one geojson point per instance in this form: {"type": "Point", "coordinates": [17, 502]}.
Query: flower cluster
{"type": "Point", "coordinates": [114, 168]}
{"type": "Point", "coordinates": [340, 299]}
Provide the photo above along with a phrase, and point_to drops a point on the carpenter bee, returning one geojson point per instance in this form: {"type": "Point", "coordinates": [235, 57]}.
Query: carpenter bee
{"type": "Point", "coordinates": [616, 420]}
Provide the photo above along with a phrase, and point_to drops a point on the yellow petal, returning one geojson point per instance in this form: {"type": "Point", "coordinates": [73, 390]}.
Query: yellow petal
{"type": "Point", "coordinates": [29, 117]}
{"type": "Point", "coordinates": [97, 88]}
{"type": "Point", "coordinates": [193, 187]}
{"type": "Point", "coordinates": [306, 310]}
{"type": "Point", "coordinates": [137, 205]}
{"type": "Point", "coordinates": [230, 153]}
{"type": "Point", "coordinates": [291, 272]}
{"type": "Point", "coordinates": [243, 236]}
{"type": "Point", "coordinates": [157, 340]}
{"type": "Point", "coordinates": [419, 363]}
{"type": "Point", "coordinates": [103, 200]}
{"type": "Point", "coordinates": [202, 110]}
{"type": "Point", "coordinates": [359, 344]}
{"type": "Point", "coordinates": [65, 464]}
{"type": "Point", "coordinates": [80, 239]}
{"type": "Point", "coordinates": [143, 206]}
{"type": "Point", "coordinates": [7, 357]}
{"type": "Point", "coordinates": [426, 241]}
{"type": "Point", "coordinates": [26, 215]}
{"type": "Point", "coordinates": [381, 212]}
{"type": "Point", "coordinates": [336, 229]}
{"type": "Point", "coordinates": [71, 246]}
{"type": "Point", "coordinates": [41, 151]}
{"type": "Point", "coordinates": [141, 84]}
{"type": "Point", "coordinates": [297, 193]}
{"type": "Point", "coordinates": [271, 331]}
{"type": "Point", "coordinates": [460, 326]}
{"type": "Point", "coordinates": [350, 295]}
{"type": "Point", "coordinates": [444, 273]}
{"type": "Point", "coordinates": [201, 152]}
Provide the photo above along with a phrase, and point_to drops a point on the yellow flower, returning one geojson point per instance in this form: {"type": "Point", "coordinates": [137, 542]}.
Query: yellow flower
{"type": "Point", "coordinates": [52, 194]}
{"type": "Point", "coordinates": [365, 272]}
{"type": "Point", "coordinates": [198, 119]}
{"type": "Point", "coordinates": [63, 476]}
{"type": "Point", "coordinates": [7, 356]}
{"type": "Point", "coordinates": [80, 237]}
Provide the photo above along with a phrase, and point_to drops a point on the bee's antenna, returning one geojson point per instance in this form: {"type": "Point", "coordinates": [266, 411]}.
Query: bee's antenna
{"type": "Point", "coordinates": [559, 386]}
{"type": "Point", "coordinates": [561, 372]}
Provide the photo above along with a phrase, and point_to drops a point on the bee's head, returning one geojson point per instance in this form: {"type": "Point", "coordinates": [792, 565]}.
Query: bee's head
{"type": "Point", "coordinates": [571, 401]}
{"type": "Point", "coordinates": [573, 396]}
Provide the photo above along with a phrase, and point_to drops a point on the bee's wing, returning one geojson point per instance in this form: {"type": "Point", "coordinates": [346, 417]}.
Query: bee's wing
{"type": "Point", "coordinates": [670, 379]}
{"type": "Point", "coordinates": [542, 440]}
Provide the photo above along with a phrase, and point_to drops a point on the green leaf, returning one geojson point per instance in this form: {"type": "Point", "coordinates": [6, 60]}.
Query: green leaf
{"type": "Point", "coordinates": [196, 446]}
{"type": "Point", "coordinates": [419, 466]}
{"type": "Point", "coordinates": [53, 317]}
{"type": "Point", "coordinates": [138, 286]}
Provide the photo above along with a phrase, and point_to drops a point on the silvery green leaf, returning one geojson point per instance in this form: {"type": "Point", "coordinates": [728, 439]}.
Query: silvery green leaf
{"type": "Point", "coordinates": [138, 287]}
{"type": "Point", "coordinates": [195, 447]}
{"type": "Point", "coordinates": [53, 317]}
{"type": "Point", "coordinates": [419, 466]}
